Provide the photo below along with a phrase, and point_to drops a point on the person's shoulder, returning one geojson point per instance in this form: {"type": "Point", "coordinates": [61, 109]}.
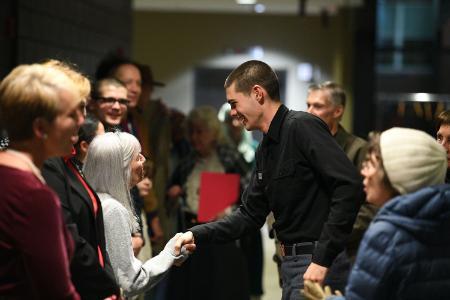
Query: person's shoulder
{"type": "Point", "coordinates": [347, 139]}
{"type": "Point", "coordinates": [53, 162]}
{"type": "Point", "coordinates": [53, 165]}
{"type": "Point", "coordinates": [299, 115]}
{"type": "Point", "coordinates": [301, 120]}
{"type": "Point", "coordinates": [24, 189]}
{"type": "Point", "coordinates": [303, 117]}
{"type": "Point", "coordinates": [360, 142]}
{"type": "Point", "coordinates": [380, 236]}
{"type": "Point", "coordinates": [110, 205]}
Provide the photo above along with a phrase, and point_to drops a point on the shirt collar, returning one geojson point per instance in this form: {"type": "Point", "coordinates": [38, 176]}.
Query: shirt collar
{"type": "Point", "coordinates": [275, 126]}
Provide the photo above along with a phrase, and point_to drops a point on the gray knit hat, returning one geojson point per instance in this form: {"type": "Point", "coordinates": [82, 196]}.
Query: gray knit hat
{"type": "Point", "coordinates": [412, 159]}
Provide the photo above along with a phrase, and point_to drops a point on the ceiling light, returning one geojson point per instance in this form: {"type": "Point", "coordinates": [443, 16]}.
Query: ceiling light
{"type": "Point", "coordinates": [257, 52]}
{"type": "Point", "coordinates": [305, 72]}
{"type": "Point", "coordinates": [260, 8]}
{"type": "Point", "coordinates": [246, 2]}
{"type": "Point", "coordinates": [422, 97]}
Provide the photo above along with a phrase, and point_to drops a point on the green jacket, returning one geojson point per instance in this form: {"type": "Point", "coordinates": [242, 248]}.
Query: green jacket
{"type": "Point", "coordinates": [356, 148]}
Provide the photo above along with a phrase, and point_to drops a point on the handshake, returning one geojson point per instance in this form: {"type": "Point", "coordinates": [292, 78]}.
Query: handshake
{"type": "Point", "coordinates": [181, 246]}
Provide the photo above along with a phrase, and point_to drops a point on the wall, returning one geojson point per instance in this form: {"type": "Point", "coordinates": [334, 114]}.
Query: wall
{"type": "Point", "coordinates": [7, 36]}
{"type": "Point", "coordinates": [80, 31]}
{"type": "Point", "coordinates": [175, 43]}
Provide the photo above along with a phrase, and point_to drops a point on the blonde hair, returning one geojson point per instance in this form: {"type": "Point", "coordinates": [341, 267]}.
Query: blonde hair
{"type": "Point", "coordinates": [71, 70]}
{"type": "Point", "coordinates": [206, 116]}
{"type": "Point", "coordinates": [29, 92]}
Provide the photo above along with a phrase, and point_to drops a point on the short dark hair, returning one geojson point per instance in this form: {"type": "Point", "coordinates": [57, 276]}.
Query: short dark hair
{"type": "Point", "coordinates": [87, 131]}
{"type": "Point", "coordinates": [109, 65]}
{"type": "Point", "coordinates": [254, 72]}
{"type": "Point", "coordinates": [337, 93]}
{"type": "Point", "coordinates": [443, 119]}
{"type": "Point", "coordinates": [95, 93]}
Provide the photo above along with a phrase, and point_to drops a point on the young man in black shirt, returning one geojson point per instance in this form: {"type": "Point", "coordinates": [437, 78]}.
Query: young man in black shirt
{"type": "Point", "coordinates": [301, 175]}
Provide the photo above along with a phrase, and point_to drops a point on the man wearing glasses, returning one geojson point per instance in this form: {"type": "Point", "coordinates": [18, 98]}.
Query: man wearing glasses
{"type": "Point", "coordinates": [109, 102]}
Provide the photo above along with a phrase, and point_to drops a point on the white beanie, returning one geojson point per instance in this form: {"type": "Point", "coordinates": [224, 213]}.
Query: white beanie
{"type": "Point", "coordinates": [412, 159]}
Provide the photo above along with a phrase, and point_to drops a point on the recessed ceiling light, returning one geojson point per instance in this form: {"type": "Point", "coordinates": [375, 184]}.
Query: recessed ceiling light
{"type": "Point", "coordinates": [257, 52]}
{"type": "Point", "coordinates": [246, 2]}
{"type": "Point", "coordinates": [422, 97]}
{"type": "Point", "coordinates": [259, 8]}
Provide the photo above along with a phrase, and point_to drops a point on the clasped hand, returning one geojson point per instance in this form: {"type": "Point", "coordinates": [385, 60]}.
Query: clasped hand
{"type": "Point", "coordinates": [314, 291]}
{"type": "Point", "coordinates": [184, 246]}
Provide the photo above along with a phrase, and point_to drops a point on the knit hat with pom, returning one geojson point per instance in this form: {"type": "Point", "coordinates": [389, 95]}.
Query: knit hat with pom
{"type": "Point", "coordinates": [412, 159]}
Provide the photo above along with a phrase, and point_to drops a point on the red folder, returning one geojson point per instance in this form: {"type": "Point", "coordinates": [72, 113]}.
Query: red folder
{"type": "Point", "coordinates": [217, 192]}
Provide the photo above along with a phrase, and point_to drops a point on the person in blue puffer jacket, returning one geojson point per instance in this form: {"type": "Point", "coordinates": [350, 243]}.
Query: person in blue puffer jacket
{"type": "Point", "coordinates": [405, 253]}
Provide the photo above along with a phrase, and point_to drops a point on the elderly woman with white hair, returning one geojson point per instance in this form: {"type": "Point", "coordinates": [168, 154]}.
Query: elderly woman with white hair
{"type": "Point", "coordinates": [114, 165]}
{"type": "Point", "coordinates": [405, 253]}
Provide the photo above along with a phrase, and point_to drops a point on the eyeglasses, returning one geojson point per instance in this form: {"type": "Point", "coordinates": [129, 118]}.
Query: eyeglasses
{"type": "Point", "coordinates": [110, 101]}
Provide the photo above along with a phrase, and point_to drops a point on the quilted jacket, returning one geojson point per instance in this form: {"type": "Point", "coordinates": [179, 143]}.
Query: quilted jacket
{"type": "Point", "coordinates": [405, 253]}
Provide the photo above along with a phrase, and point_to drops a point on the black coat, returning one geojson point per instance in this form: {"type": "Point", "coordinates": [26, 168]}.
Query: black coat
{"type": "Point", "coordinates": [90, 279]}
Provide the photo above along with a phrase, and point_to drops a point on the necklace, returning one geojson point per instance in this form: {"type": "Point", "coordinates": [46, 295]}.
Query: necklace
{"type": "Point", "coordinates": [36, 172]}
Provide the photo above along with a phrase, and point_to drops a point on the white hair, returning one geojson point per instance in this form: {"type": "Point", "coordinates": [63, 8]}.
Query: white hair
{"type": "Point", "coordinates": [108, 167]}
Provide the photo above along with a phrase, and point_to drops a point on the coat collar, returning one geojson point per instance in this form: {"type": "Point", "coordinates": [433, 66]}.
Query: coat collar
{"type": "Point", "coordinates": [275, 126]}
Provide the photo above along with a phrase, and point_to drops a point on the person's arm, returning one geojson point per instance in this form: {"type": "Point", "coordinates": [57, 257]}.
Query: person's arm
{"type": "Point", "coordinates": [133, 276]}
{"type": "Point", "coordinates": [344, 186]}
{"type": "Point", "coordinates": [87, 273]}
{"type": "Point", "coordinates": [41, 239]}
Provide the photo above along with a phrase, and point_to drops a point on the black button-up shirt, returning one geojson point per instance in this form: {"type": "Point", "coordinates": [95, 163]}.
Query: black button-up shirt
{"type": "Point", "coordinates": [306, 180]}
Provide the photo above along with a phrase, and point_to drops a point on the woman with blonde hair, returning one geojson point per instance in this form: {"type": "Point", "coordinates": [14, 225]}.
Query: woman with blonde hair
{"type": "Point", "coordinates": [113, 166]}
{"type": "Point", "coordinates": [40, 111]}
{"type": "Point", "coordinates": [90, 268]}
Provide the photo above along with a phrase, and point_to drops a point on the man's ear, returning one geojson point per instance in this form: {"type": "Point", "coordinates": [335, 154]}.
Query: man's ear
{"type": "Point", "coordinates": [260, 93]}
{"type": "Point", "coordinates": [338, 112]}
{"type": "Point", "coordinates": [40, 128]}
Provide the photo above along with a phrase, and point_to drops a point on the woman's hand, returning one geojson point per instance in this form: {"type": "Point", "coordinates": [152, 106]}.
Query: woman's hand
{"type": "Point", "coordinates": [144, 186]}
{"type": "Point", "coordinates": [174, 191]}
{"type": "Point", "coordinates": [137, 242]}
{"type": "Point", "coordinates": [157, 231]}
{"type": "Point", "coordinates": [314, 291]}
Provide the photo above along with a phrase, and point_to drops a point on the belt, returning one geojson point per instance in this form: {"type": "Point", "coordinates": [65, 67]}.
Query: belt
{"type": "Point", "coordinates": [297, 249]}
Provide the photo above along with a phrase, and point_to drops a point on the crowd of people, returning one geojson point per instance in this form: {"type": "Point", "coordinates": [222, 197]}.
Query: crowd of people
{"type": "Point", "coordinates": [85, 167]}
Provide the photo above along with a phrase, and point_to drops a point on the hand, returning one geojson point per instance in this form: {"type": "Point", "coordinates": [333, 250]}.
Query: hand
{"type": "Point", "coordinates": [182, 253]}
{"type": "Point", "coordinates": [137, 242]}
{"type": "Point", "coordinates": [144, 186]}
{"type": "Point", "coordinates": [157, 232]}
{"type": "Point", "coordinates": [185, 240]}
{"type": "Point", "coordinates": [315, 273]}
{"type": "Point", "coordinates": [314, 291]}
{"type": "Point", "coordinates": [174, 191]}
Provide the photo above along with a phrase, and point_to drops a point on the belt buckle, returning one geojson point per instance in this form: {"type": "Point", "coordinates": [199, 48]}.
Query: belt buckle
{"type": "Point", "coordinates": [283, 253]}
